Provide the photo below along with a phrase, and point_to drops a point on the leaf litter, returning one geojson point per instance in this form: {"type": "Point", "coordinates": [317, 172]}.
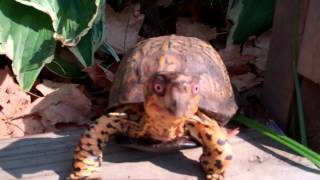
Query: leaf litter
{"type": "Point", "coordinates": [60, 103]}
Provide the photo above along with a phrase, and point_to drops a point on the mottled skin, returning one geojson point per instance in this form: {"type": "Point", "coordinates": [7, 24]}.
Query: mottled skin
{"type": "Point", "coordinates": [170, 110]}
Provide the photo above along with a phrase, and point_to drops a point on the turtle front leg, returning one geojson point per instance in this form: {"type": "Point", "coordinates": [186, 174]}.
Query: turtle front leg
{"type": "Point", "coordinates": [217, 152]}
{"type": "Point", "coordinates": [88, 153]}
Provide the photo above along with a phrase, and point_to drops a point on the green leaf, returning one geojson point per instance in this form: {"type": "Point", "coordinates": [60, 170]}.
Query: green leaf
{"type": "Point", "coordinates": [292, 144]}
{"type": "Point", "coordinates": [30, 45]}
{"type": "Point", "coordinates": [88, 45]}
{"type": "Point", "coordinates": [249, 17]}
{"type": "Point", "coordinates": [83, 52]}
{"type": "Point", "coordinates": [65, 66]}
{"type": "Point", "coordinates": [29, 29]}
{"type": "Point", "coordinates": [71, 19]}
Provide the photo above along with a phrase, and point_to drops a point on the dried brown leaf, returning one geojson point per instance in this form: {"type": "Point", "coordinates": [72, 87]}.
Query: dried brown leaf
{"type": "Point", "coordinates": [65, 104]}
{"type": "Point", "coordinates": [12, 98]}
{"type": "Point", "coordinates": [26, 126]}
{"type": "Point", "coordinates": [258, 47]}
{"type": "Point", "coordinates": [231, 56]}
{"type": "Point", "coordinates": [108, 74]}
{"type": "Point", "coordinates": [186, 27]}
{"type": "Point", "coordinates": [123, 27]}
{"type": "Point", "coordinates": [246, 81]}
{"type": "Point", "coordinates": [48, 87]}
{"type": "Point", "coordinates": [101, 77]}
{"type": "Point", "coordinates": [4, 131]}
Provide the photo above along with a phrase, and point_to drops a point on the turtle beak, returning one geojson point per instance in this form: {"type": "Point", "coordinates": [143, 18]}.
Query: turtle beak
{"type": "Point", "coordinates": [178, 104]}
{"type": "Point", "coordinates": [178, 108]}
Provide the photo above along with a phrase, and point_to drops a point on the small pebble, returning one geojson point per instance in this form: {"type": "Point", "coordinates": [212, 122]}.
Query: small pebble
{"type": "Point", "coordinates": [256, 159]}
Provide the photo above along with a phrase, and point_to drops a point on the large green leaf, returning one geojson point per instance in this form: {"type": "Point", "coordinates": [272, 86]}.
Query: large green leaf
{"type": "Point", "coordinates": [71, 19]}
{"type": "Point", "coordinates": [85, 49]}
{"type": "Point", "coordinates": [29, 29]}
{"type": "Point", "coordinates": [30, 45]}
{"type": "Point", "coordinates": [83, 52]}
{"type": "Point", "coordinates": [249, 17]}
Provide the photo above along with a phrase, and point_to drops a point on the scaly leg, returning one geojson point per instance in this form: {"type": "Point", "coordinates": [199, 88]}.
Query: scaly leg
{"type": "Point", "coordinates": [217, 152]}
{"type": "Point", "coordinates": [88, 153]}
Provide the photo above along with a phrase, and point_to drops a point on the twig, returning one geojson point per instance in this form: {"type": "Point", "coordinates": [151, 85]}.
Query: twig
{"type": "Point", "coordinates": [33, 94]}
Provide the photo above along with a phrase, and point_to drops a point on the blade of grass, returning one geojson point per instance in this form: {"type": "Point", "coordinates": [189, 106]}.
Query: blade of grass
{"type": "Point", "coordinates": [294, 56]}
{"type": "Point", "coordinates": [292, 144]}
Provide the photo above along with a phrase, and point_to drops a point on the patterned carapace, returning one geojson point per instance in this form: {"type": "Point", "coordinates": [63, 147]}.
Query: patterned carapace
{"type": "Point", "coordinates": [165, 88]}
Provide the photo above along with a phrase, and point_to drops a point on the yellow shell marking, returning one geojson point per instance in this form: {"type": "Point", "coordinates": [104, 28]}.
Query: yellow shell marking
{"type": "Point", "coordinates": [161, 63]}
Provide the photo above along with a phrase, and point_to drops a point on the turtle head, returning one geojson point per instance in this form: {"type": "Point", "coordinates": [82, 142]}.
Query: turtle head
{"type": "Point", "coordinates": [171, 95]}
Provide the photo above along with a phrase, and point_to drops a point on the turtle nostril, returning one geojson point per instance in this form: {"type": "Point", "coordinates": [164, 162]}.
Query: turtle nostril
{"type": "Point", "coordinates": [177, 108]}
{"type": "Point", "coordinates": [173, 105]}
{"type": "Point", "coordinates": [195, 89]}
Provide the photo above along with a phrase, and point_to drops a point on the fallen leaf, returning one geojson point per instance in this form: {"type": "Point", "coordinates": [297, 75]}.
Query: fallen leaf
{"type": "Point", "coordinates": [61, 113]}
{"type": "Point", "coordinates": [238, 69]}
{"type": "Point", "coordinates": [61, 103]}
{"type": "Point", "coordinates": [123, 27]}
{"type": "Point", "coordinates": [236, 63]}
{"type": "Point", "coordinates": [232, 56]}
{"type": "Point", "coordinates": [4, 131]}
{"type": "Point", "coordinates": [64, 104]}
{"type": "Point", "coordinates": [100, 76]}
{"type": "Point", "coordinates": [26, 126]}
{"type": "Point", "coordinates": [186, 27]}
{"type": "Point", "coordinates": [12, 98]}
{"type": "Point", "coordinates": [246, 81]}
{"type": "Point", "coordinates": [258, 47]}
{"type": "Point", "coordinates": [108, 74]}
{"type": "Point", "coordinates": [48, 87]}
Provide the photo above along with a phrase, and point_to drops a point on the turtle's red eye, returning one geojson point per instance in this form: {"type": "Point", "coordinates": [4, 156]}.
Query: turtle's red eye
{"type": "Point", "coordinates": [195, 89]}
{"type": "Point", "coordinates": [158, 88]}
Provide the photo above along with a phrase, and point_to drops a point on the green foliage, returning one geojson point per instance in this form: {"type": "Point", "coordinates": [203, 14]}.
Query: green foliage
{"type": "Point", "coordinates": [249, 17]}
{"type": "Point", "coordinates": [33, 31]}
{"type": "Point", "coordinates": [29, 44]}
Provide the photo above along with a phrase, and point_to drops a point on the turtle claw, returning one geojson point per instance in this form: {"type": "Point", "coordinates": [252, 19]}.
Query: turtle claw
{"type": "Point", "coordinates": [214, 177]}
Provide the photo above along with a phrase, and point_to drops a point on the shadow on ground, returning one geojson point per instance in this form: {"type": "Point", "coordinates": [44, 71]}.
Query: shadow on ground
{"type": "Point", "coordinates": [30, 157]}
{"type": "Point", "coordinates": [265, 144]}
{"type": "Point", "coordinates": [35, 156]}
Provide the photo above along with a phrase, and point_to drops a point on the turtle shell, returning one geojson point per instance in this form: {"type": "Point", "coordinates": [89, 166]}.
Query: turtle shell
{"type": "Point", "coordinates": [176, 54]}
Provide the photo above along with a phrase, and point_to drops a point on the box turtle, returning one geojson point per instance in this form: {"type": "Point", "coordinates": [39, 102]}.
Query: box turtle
{"type": "Point", "coordinates": [165, 88]}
